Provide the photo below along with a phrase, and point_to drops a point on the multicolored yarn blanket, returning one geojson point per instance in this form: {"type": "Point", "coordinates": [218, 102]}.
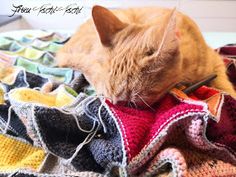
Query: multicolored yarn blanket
{"type": "Point", "coordinates": [72, 132]}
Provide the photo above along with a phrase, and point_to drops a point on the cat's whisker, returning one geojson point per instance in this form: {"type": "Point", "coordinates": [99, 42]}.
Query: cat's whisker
{"type": "Point", "coordinates": [135, 105]}
{"type": "Point", "coordinates": [145, 102]}
{"type": "Point", "coordinates": [135, 92]}
{"type": "Point", "coordinates": [133, 97]}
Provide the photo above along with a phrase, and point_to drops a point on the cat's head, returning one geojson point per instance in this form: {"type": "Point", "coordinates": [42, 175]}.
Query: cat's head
{"type": "Point", "coordinates": [136, 63]}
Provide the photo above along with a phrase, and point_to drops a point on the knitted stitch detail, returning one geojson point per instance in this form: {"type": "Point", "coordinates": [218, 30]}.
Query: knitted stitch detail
{"type": "Point", "coordinates": [15, 154]}
{"type": "Point", "coordinates": [186, 135]}
{"type": "Point", "coordinates": [166, 156]}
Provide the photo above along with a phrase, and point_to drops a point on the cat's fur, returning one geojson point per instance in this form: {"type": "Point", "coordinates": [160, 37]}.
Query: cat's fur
{"type": "Point", "coordinates": [138, 54]}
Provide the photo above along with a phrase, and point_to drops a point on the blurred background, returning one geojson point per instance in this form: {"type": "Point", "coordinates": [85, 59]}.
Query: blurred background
{"type": "Point", "coordinates": [211, 15]}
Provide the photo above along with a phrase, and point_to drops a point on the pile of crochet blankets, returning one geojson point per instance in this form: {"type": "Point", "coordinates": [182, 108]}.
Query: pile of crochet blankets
{"type": "Point", "coordinates": [72, 132]}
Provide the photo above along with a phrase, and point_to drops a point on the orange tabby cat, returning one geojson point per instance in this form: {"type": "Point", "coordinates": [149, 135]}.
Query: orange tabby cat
{"type": "Point", "coordinates": [138, 54]}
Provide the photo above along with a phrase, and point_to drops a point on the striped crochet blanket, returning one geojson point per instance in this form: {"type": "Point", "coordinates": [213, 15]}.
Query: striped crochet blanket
{"type": "Point", "coordinates": [72, 132]}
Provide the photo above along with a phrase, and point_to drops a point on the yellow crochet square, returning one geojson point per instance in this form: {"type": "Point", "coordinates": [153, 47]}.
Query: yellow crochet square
{"type": "Point", "coordinates": [8, 74]}
{"type": "Point", "coordinates": [16, 155]}
{"type": "Point", "coordinates": [58, 98]}
{"type": "Point", "coordinates": [1, 96]}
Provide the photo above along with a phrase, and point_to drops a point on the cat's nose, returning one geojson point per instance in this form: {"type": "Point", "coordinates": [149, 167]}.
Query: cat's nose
{"type": "Point", "coordinates": [114, 100]}
{"type": "Point", "coordinates": [119, 100]}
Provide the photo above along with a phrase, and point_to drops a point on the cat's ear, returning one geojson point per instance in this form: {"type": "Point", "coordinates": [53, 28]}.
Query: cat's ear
{"type": "Point", "coordinates": [169, 42]}
{"type": "Point", "coordinates": [107, 24]}
{"type": "Point", "coordinates": [169, 38]}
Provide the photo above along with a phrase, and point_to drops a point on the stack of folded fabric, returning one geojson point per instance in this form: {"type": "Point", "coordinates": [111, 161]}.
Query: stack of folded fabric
{"type": "Point", "coordinates": [75, 133]}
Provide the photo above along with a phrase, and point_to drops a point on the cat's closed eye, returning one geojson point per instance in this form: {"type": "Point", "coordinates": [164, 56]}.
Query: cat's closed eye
{"type": "Point", "coordinates": [149, 52]}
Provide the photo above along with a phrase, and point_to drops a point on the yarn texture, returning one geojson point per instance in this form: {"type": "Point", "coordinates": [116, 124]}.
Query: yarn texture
{"type": "Point", "coordinates": [69, 131]}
